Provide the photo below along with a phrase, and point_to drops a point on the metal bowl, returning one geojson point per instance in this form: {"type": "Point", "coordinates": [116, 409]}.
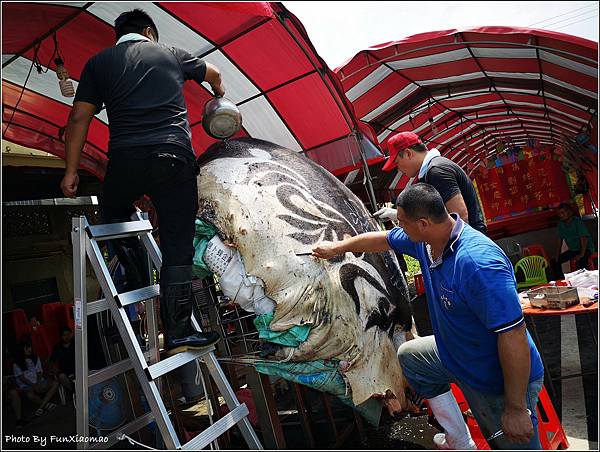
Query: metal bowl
{"type": "Point", "coordinates": [221, 118]}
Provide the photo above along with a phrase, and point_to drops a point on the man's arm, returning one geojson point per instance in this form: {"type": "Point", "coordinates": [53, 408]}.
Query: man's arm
{"type": "Point", "coordinates": [583, 237]}
{"type": "Point", "coordinates": [369, 242]}
{"type": "Point", "coordinates": [21, 376]}
{"type": "Point", "coordinates": [513, 349]}
{"type": "Point", "coordinates": [584, 242]}
{"type": "Point", "coordinates": [213, 78]}
{"type": "Point", "coordinates": [457, 204]}
{"type": "Point", "coordinates": [444, 181]}
{"type": "Point", "coordinates": [75, 135]}
{"type": "Point", "coordinates": [559, 247]}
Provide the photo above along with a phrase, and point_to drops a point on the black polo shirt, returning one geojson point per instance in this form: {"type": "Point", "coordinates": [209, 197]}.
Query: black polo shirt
{"type": "Point", "coordinates": [64, 357]}
{"type": "Point", "coordinates": [141, 84]}
{"type": "Point", "coordinates": [449, 179]}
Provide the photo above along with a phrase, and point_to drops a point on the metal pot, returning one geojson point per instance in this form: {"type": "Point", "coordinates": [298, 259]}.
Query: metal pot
{"type": "Point", "coordinates": [221, 118]}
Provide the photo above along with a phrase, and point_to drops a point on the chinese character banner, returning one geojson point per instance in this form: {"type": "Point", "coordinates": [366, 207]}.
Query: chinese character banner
{"type": "Point", "coordinates": [522, 185]}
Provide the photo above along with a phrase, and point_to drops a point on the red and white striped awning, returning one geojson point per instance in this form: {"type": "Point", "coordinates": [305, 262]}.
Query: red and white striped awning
{"type": "Point", "coordinates": [285, 91]}
{"type": "Point", "coordinates": [466, 91]}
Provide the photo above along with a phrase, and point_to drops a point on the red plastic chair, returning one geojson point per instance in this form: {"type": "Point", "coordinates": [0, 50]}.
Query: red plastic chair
{"type": "Point", "coordinates": [592, 262]}
{"type": "Point", "coordinates": [419, 284]}
{"type": "Point", "coordinates": [64, 316]}
{"type": "Point", "coordinates": [41, 344]}
{"type": "Point", "coordinates": [552, 435]}
{"type": "Point", "coordinates": [49, 318]}
{"type": "Point", "coordinates": [17, 325]}
{"type": "Point", "coordinates": [535, 250]}
{"type": "Point", "coordinates": [574, 264]}
{"type": "Point", "coordinates": [476, 433]}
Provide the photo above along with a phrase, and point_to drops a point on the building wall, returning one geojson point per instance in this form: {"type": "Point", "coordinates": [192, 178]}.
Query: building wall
{"type": "Point", "coordinates": [37, 246]}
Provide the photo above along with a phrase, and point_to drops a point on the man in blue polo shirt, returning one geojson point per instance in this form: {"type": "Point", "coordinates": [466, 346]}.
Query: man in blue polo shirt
{"type": "Point", "coordinates": [480, 341]}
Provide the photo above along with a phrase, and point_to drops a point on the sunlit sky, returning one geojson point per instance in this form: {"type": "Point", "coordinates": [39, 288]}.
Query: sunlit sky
{"type": "Point", "coordinates": [339, 30]}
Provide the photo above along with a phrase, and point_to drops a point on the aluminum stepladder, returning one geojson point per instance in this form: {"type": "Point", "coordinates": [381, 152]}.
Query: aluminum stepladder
{"type": "Point", "coordinates": [147, 365]}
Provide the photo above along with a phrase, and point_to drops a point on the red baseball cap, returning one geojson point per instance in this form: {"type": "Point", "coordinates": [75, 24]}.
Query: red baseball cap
{"type": "Point", "coordinates": [397, 143]}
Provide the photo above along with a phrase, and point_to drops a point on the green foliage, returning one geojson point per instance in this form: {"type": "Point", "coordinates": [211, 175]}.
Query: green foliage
{"type": "Point", "coordinates": [413, 267]}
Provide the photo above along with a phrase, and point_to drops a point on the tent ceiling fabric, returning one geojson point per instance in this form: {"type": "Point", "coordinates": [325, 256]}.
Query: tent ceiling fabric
{"type": "Point", "coordinates": [270, 69]}
{"type": "Point", "coordinates": [465, 91]}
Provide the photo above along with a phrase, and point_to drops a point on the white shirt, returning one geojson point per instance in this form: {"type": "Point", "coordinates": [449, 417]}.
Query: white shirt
{"type": "Point", "coordinates": [30, 373]}
{"type": "Point", "coordinates": [425, 165]}
{"type": "Point", "coordinates": [131, 37]}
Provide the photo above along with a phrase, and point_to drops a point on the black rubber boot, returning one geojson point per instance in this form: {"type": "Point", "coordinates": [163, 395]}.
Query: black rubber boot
{"type": "Point", "coordinates": [176, 311]}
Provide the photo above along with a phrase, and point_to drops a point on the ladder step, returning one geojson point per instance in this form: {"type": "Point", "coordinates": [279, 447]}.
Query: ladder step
{"type": "Point", "coordinates": [94, 307]}
{"type": "Point", "coordinates": [108, 372]}
{"type": "Point", "coordinates": [128, 429]}
{"type": "Point", "coordinates": [118, 230]}
{"type": "Point", "coordinates": [137, 295]}
{"type": "Point", "coordinates": [167, 365]}
{"type": "Point", "coordinates": [217, 429]}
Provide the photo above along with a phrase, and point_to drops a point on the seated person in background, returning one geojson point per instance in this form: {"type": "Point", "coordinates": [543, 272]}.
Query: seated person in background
{"type": "Point", "coordinates": [9, 389]}
{"type": "Point", "coordinates": [62, 360]}
{"type": "Point", "coordinates": [573, 231]}
{"type": "Point", "coordinates": [30, 379]}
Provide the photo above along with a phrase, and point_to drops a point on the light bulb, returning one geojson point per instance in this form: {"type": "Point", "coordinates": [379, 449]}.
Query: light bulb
{"type": "Point", "coordinates": [434, 128]}
{"type": "Point", "coordinates": [64, 82]}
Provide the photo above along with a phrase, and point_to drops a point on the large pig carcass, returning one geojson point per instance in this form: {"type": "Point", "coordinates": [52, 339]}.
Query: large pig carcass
{"type": "Point", "coordinates": [272, 203]}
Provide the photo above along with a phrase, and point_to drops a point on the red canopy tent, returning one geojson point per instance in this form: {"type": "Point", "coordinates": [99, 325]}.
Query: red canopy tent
{"type": "Point", "coordinates": [285, 91]}
{"type": "Point", "coordinates": [468, 91]}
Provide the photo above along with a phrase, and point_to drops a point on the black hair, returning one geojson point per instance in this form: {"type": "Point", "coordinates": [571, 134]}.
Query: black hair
{"type": "Point", "coordinates": [134, 21]}
{"type": "Point", "coordinates": [20, 354]}
{"type": "Point", "coordinates": [564, 205]}
{"type": "Point", "coordinates": [422, 201]}
{"type": "Point", "coordinates": [65, 329]}
{"type": "Point", "coordinates": [419, 147]}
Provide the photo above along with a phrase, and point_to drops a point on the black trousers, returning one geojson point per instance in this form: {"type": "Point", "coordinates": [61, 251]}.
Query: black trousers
{"type": "Point", "coordinates": [171, 185]}
{"type": "Point", "coordinates": [566, 257]}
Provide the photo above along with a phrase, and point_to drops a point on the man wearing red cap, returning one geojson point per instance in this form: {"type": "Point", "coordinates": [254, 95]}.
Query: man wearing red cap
{"type": "Point", "coordinates": [410, 155]}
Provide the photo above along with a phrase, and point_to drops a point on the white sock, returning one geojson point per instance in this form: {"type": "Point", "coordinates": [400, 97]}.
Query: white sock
{"type": "Point", "coordinates": [448, 414]}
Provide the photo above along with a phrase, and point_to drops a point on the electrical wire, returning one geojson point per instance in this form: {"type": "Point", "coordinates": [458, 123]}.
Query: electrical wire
{"type": "Point", "coordinates": [20, 96]}
{"type": "Point", "coordinates": [567, 19]}
{"type": "Point", "coordinates": [34, 62]}
{"type": "Point", "coordinates": [563, 14]}
{"type": "Point", "coordinates": [576, 22]}
{"type": "Point", "coordinates": [55, 52]}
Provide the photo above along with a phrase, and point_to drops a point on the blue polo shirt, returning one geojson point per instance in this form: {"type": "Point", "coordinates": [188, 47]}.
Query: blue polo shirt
{"type": "Point", "coordinates": [472, 297]}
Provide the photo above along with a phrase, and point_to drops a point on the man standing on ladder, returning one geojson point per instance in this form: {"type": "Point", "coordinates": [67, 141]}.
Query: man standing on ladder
{"type": "Point", "coordinates": [150, 152]}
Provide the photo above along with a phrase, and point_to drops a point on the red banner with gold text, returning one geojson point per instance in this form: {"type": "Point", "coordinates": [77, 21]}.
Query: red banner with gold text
{"type": "Point", "coordinates": [522, 185]}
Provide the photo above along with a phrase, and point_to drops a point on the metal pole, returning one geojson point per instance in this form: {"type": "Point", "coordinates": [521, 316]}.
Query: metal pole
{"type": "Point", "coordinates": [151, 317]}
{"type": "Point", "coordinates": [367, 180]}
{"type": "Point", "coordinates": [81, 339]}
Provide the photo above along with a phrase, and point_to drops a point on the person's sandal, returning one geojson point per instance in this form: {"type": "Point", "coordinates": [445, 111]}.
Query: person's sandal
{"type": "Point", "coordinates": [39, 412]}
{"type": "Point", "coordinates": [50, 406]}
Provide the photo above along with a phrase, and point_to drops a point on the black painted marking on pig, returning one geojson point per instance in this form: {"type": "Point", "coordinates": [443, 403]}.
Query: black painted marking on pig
{"type": "Point", "coordinates": [384, 317]}
{"type": "Point", "coordinates": [295, 175]}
